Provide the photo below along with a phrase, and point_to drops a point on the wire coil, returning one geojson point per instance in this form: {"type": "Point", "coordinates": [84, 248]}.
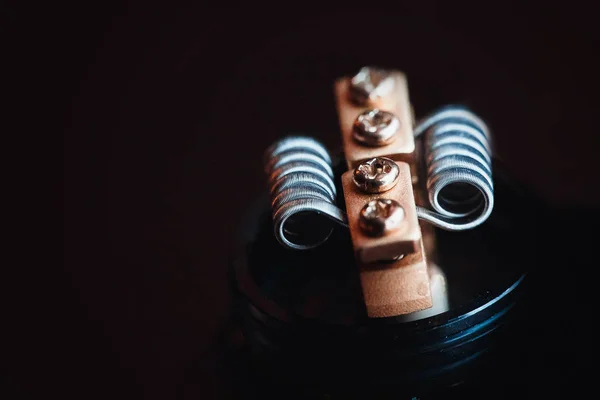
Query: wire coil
{"type": "Point", "coordinates": [459, 171]}
{"type": "Point", "coordinates": [459, 179]}
{"type": "Point", "coordinates": [300, 181]}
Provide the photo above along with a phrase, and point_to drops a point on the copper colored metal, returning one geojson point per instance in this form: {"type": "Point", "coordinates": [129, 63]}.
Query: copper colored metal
{"type": "Point", "coordinates": [404, 240]}
{"type": "Point", "coordinates": [396, 102]}
{"type": "Point", "coordinates": [402, 286]}
{"type": "Point", "coordinates": [396, 288]}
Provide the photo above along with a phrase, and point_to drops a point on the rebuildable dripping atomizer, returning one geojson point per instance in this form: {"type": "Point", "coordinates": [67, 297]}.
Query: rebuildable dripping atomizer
{"type": "Point", "coordinates": [383, 270]}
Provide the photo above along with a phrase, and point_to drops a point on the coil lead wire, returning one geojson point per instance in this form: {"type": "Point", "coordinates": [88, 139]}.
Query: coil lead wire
{"type": "Point", "coordinates": [301, 181]}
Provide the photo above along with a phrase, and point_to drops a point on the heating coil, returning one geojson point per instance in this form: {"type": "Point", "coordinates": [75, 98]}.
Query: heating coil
{"type": "Point", "coordinates": [459, 177]}
{"type": "Point", "coordinates": [300, 181]}
{"type": "Point", "coordinates": [459, 171]}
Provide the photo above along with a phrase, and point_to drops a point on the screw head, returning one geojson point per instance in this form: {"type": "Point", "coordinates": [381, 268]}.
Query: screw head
{"type": "Point", "coordinates": [375, 127]}
{"type": "Point", "coordinates": [376, 175]}
{"type": "Point", "coordinates": [370, 84]}
{"type": "Point", "coordinates": [381, 216]}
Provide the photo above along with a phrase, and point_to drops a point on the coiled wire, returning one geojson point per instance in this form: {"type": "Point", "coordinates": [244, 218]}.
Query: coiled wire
{"type": "Point", "coordinates": [300, 181]}
{"type": "Point", "coordinates": [459, 171]}
{"type": "Point", "coordinates": [459, 178]}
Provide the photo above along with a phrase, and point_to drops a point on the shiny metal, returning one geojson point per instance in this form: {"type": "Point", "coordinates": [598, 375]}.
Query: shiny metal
{"type": "Point", "coordinates": [459, 169]}
{"type": "Point", "coordinates": [370, 84]}
{"type": "Point", "coordinates": [459, 180]}
{"type": "Point", "coordinates": [300, 181]}
{"type": "Point", "coordinates": [376, 175]}
{"type": "Point", "coordinates": [375, 127]}
{"type": "Point", "coordinates": [381, 216]}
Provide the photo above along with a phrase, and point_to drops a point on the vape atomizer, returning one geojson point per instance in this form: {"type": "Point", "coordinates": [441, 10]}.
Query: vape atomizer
{"type": "Point", "coordinates": [385, 267]}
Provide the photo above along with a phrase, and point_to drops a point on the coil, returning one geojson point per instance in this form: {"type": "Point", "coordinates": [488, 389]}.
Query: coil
{"type": "Point", "coordinates": [301, 182]}
{"type": "Point", "coordinates": [459, 171]}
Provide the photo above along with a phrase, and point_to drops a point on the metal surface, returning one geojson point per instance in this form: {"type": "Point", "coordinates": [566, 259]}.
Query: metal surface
{"type": "Point", "coordinates": [370, 84]}
{"type": "Point", "coordinates": [459, 173]}
{"type": "Point", "coordinates": [404, 240]}
{"type": "Point", "coordinates": [376, 175]}
{"type": "Point", "coordinates": [475, 263]}
{"type": "Point", "coordinates": [301, 181]}
{"type": "Point", "coordinates": [396, 102]}
{"type": "Point", "coordinates": [296, 308]}
{"type": "Point", "coordinates": [396, 288]}
{"type": "Point", "coordinates": [375, 127]}
{"type": "Point", "coordinates": [393, 272]}
{"type": "Point", "coordinates": [381, 216]}
{"type": "Point", "coordinates": [393, 269]}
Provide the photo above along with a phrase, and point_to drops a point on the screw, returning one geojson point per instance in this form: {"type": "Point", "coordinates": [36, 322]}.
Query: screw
{"type": "Point", "coordinates": [381, 216]}
{"type": "Point", "coordinates": [375, 127]}
{"type": "Point", "coordinates": [376, 175]}
{"type": "Point", "coordinates": [370, 84]}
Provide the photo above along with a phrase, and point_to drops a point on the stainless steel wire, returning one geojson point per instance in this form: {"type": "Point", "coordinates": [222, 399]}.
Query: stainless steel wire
{"type": "Point", "coordinates": [300, 181]}
{"type": "Point", "coordinates": [459, 178]}
{"type": "Point", "coordinates": [459, 169]}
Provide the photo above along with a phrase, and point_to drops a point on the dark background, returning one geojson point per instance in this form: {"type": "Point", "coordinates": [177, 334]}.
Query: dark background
{"type": "Point", "coordinates": [166, 112]}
